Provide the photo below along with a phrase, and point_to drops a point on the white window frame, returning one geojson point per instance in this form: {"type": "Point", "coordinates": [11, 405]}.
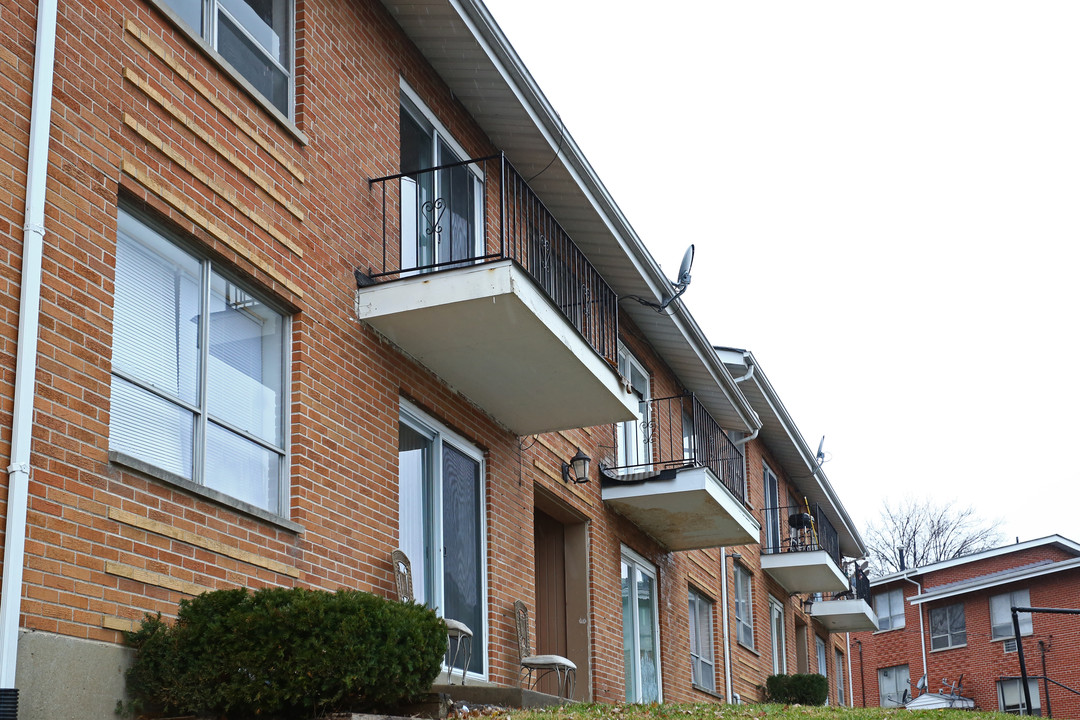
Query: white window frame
{"type": "Point", "coordinates": [772, 527]}
{"type": "Point", "coordinates": [702, 652]}
{"type": "Point", "coordinates": [637, 564]}
{"type": "Point", "coordinates": [778, 636]}
{"type": "Point", "coordinates": [1020, 708]}
{"type": "Point", "coordinates": [744, 606]}
{"type": "Point", "coordinates": [428, 579]}
{"type": "Point", "coordinates": [945, 638]}
{"type": "Point", "coordinates": [208, 34]}
{"type": "Point", "coordinates": [892, 614]}
{"type": "Point", "coordinates": [414, 106]}
{"type": "Point", "coordinates": [634, 437]}
{"type": "Point", "coordinates": [822, 655]}
{"type": "Point", "coordinates": [899, 680]}
{"type": "Point", "coordinates": [135, 228]}
{"type": "Point", "coordinates": [1001, 627]}
{"type": "Point", "coordinates": [838, 666]}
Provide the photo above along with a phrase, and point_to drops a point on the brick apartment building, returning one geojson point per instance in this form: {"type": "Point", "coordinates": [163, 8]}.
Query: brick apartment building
{"type": "Point", "coordinates": [951, 623]}
{"type": "Point", "coordinates": [288, 284]}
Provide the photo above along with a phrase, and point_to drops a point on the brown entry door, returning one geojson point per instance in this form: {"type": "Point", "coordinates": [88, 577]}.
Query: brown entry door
{"type": "Point", "coordinates": [550, 624]}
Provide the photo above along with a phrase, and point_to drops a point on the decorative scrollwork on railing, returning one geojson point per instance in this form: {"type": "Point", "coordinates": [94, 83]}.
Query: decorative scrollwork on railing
{"type": "Point", "coordinates": [647, 426]}
{"type": "Point", "coordinates": [545, 252]}
{"type": "Point", "coordinates": [430, 207]}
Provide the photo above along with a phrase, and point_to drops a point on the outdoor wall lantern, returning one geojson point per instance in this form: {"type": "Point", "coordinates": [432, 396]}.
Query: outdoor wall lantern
{"type": "Point", "coordinates": [577, 470]}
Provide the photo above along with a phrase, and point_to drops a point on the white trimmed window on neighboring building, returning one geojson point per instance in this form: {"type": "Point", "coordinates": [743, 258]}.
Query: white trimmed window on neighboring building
{"type": "Point", "coordinates": [948, 627]}
{"type": "Point", "coordinates": [1011, 696]}
{"type": "Point", "coordinates": [889, 608]}
{"type": "Point", "coordinates": [893, 686]}
{"type": "Point", "coordinates": [1001, 624]}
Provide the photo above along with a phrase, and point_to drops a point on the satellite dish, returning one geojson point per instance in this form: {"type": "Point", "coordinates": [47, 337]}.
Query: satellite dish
{"type": "Point", "coordinates": [684, 269]}
{"type": "Point", "coordinates": [921, 685]}
{"type": "Point", "coordinates": [679, 285]}
{"type": "Point", "coordinates": [820, 451]}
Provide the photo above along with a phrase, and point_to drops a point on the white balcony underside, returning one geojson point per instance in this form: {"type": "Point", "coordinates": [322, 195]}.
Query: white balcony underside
{"type": "Point", "coordinates": [844, 615]}
{"type": "Point", "coordinates": [691, 511]}
{"type": "Point", "coordinates": [493, 335]}
{"type": "Point", "coordinates": [807, 571]}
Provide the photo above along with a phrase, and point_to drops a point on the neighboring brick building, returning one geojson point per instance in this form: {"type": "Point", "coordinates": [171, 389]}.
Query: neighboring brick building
{"type": "Point", "coordinates": [299, 307]}
{"type": "Point", "coordinates": [952, 620]}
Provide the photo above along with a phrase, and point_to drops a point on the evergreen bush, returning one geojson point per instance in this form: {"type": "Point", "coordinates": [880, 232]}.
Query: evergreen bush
{"type": "Point", "coordinates": [285, 653]}
{"type": "Point", "coordinates": [804, 689]}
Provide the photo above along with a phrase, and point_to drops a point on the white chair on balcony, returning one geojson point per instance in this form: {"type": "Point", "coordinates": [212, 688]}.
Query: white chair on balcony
{"type": "Point", "coordinates": [459, 635]}
{"type": "Point", "coordinates": [564, 669]}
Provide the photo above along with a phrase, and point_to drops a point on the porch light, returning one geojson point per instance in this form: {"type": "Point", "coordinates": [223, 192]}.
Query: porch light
{"type": "Point", "coordinates": [577, 471]}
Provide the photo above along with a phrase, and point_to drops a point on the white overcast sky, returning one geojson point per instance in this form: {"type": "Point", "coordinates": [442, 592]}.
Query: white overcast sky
{"type": "Point", "coordinates": [884, 199]}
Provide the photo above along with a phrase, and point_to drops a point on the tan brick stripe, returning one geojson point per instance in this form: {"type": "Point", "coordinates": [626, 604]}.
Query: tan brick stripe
{"type": "Point", "coordinates": [169, 59]}
{"type": "Point", "coordinates": [160, 528]}
{"type": "Point", "coordinates": [224, 151]}
{"type": "Point", "coordinates": [142, 175]}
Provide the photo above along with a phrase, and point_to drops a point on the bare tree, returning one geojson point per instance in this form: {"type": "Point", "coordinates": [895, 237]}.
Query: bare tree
{"type": "Point", "coordinates": [926, 531]}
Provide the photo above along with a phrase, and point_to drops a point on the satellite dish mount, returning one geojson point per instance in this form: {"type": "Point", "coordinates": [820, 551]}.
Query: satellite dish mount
{"type": "Point", "coordinates": [679, 286]}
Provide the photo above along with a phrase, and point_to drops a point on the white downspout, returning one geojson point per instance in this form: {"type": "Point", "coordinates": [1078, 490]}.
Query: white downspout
{"type": "Point", "coordinates": [727, 628]}
{"type": "Point", "coordinates": [26, 353]}
{"type": "Point", "coordinates": [922, 633]}
{"type": "Point", "coordinates": [850, 680]}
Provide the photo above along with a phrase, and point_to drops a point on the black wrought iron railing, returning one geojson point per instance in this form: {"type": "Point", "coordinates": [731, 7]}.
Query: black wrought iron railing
{"type": "Point", "coordinates": [678, 432]}
{"type": "Point", "coordinates": [800, 528]}
{"type": "Point", "coordinates": [481, 210]}
{"type": "Point", "coordinates": [858, 589]}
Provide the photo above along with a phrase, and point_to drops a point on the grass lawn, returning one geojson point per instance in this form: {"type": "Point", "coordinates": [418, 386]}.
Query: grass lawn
{"type": "Point", "coordinates": [707, 711]}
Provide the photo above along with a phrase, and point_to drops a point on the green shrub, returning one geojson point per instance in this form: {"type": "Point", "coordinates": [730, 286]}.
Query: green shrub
{"type": "Point", "coordinates": [810, 689]}
{"type": "Point", "coordinates": [285, 653]}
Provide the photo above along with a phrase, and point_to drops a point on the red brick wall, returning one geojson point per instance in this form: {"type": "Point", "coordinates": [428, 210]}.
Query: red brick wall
{"type": "Point", "coordinates": [142, 116]}
{"type": "Point", "coordinates": [983, 661]}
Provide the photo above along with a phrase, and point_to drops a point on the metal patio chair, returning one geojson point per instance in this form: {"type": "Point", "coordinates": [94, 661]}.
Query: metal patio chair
{"type": "Point", "coordinates": [564, 669]}
{"type": "Point", "coordinates": [458, 634]}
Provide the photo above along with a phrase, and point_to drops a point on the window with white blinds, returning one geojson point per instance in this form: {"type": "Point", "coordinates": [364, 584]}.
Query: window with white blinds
{"type": "Point", "coordinates": [198, 373]}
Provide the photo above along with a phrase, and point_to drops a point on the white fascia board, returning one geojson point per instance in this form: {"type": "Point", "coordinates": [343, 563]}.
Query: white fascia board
{"type": "Point", "coordinates": [1004, 579]}
{"type": "Point", "coordinates": [799, 443]}
{"type": "Point", "coordinates": [508, 63]}
{"type": "Point", "coordinates": [517, 77]}
{"type": "Point", "coordinates": [1064, 542]}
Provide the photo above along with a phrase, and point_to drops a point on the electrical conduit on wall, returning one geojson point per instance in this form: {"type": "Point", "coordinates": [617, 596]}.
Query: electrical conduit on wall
{"type": "Point", "coordinates": [26, 354]}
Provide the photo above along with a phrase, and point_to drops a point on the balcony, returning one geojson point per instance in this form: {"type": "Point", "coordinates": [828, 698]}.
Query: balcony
{"type": "Point", "coordinates": [477, 281]}
{"type": "Point", "coordinates": [679, 478]}
{"type": "Point", "coordinates": [848, 610]}
{"type": "Point", "coordinates": [802, 550]}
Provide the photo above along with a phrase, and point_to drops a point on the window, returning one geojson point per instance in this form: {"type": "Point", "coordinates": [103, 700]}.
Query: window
{"type": "Point", "coordinates": [442, 210]}
{"type": "Point", "coordinates": [893, 686]}
{"type": "Point", "coordinates": [822, 656]}
{"type": "Point", "coordinates": [776, 632]}
{"type": "Point", "coordinates": [254, 36]}
{"type": "Point", "coordinates": [634, 435]}
{"type": "Point", "coordinates": [947, 627]}
{"type": "Point", "coordinates": [1001, 625]}
{"type": "Point", "coordinates": [1011, 696]}
{"type": "Point", "coordinates": [641, 629]}
{"type": "Point", "coordinates": [198, 371]}
{"type": "Point", "coordinates": [441, 522]}
{"type": "Point", "coordinates": [889, 608]}
{"type": "Point", "coordinates": [701, 645]}
{"type": "Point", "coordinates": [772, 511]}
{"type": "Point", "coordinates": [838, 666]}
{"type": "Point", "coordinates": [744, 608]}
